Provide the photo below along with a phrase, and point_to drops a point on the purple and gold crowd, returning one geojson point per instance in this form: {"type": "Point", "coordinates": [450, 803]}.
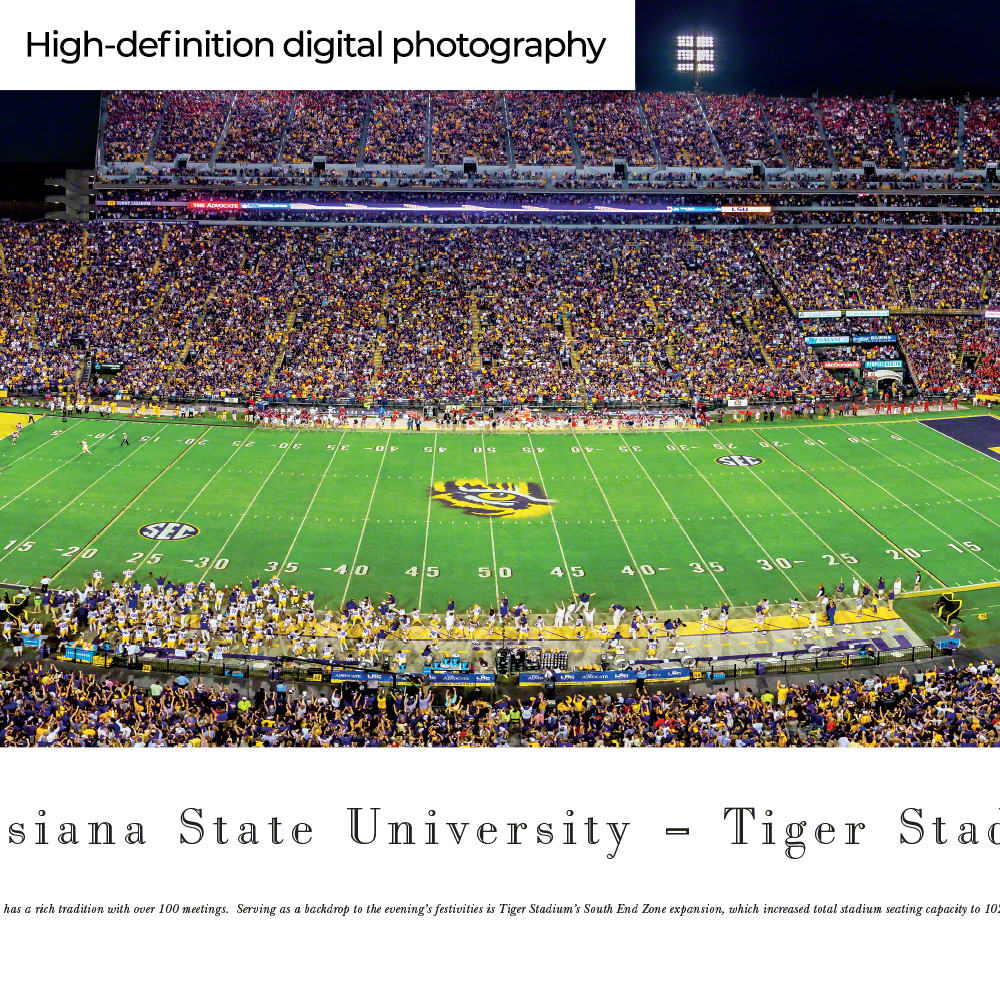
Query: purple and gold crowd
{"type": "Point", "coordinates": [678, 129]}
{"type": "Point", "coordinates": [404, 313]}
{"type": "Point", "coordinates": [43, 704]}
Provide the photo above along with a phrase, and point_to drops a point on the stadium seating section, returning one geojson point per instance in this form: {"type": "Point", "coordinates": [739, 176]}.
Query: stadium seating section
{"type": "Point", "coordinates": [507, 314]}
{"type": "Point", "coordinates": [582, 128]}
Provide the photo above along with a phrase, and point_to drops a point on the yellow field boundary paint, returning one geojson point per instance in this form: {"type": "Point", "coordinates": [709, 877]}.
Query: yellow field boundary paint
{"type": "Point", "coordinates": [949, 590]}
{"type": "Point", "coordinates": [8, 421]}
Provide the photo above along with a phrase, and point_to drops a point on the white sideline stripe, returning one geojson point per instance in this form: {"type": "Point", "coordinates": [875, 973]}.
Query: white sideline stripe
{"type": "Point", "coordinates": [947, 493]}
{"type": "Point", "coordinates": [41, 479]}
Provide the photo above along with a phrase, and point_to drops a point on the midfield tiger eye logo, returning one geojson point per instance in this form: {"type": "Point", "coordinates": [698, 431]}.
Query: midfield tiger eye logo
{"type": "Point", "coordinates": [482, 499]}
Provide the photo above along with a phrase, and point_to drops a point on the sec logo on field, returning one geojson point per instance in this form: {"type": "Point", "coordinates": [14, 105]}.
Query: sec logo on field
{"type": "Point", "coordinates": [168, 531]}
{"type": "Point", "coordinates": [739, 460]}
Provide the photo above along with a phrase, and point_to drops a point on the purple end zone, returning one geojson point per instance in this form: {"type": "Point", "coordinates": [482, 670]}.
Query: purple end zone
{"type": "Point", "coordinates": [981, 433]}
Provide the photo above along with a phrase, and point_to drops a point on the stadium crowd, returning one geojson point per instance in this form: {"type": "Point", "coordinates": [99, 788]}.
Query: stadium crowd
{"type": "Point", "coordinates": [409, 313]}
{"type": "Point", "coordinates": [43, 703]}
{"type": "Point", "coordinates": [609, 125]}
{"type": "Point", "coordinates": [192, 123]}
{"type": "Point", "coordinates": [467, 123]}
{"type": "Point", "coordinates": [679, 131]}
{"type": "Point", "coordinates": [860, 130]}
{"type": "Point", "coordinates": [256, 126]}
{"type": "Point", "coordinates": [684, 129]}
{"type": "Point", "coordinates": [397, 131]}
{"type": "Point", "coordinates": [741, 129]}
{"type": "Point", "coordinates": [47, 705]}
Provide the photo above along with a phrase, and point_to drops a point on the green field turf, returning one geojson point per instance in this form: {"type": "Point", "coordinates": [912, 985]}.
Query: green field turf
{"type": "Point", "coordinates": [646, 518]}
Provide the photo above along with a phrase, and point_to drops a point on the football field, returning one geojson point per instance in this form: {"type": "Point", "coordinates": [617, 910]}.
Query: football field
{"type": "Point", "coordinates": [669, 520]}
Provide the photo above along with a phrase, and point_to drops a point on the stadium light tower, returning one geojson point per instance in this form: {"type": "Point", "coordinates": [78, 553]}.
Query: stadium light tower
{"type": "Point", "coordinates": [695, 54]}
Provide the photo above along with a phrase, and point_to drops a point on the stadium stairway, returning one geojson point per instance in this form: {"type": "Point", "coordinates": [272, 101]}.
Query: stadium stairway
{"type": "Point", "coordinates": [894, 291]}
{"type": "Point", "coordinates": [568, 334]}
{"type": "Point", "coordinates": [383, 321]}
{"type": "Point", "coordinates": [748, 321]}
{"type": "Point", "coordinates": [658, 324]}
{"type": "Point", "coordinates": [711, 131]}
{"type": "Point", "coordinates": [224, 131]}
{"type": "Point", "coordinates": [772, 277]}
{"type": "Point", "coordinates": [573, 144]}
{"type": "Point", "coordinates": [508, 141]}
{"type": "Point", "coordinates": [649, 132]}
{"type": "Point", "coordinates": [102, 128]}
{"type": "Point", "coordinates": [279, 358]}
{"type": "Point", "coordinates": [85, 373]}
{"type": "Point", "coordinates": [477, 332]}
{"type": "Point", "coordinates": [897, 127]}
{"type": "Point", "coordinates": [280, 158]}
{"type": "Point", "coordinates": [902, 350]}
{"type": "Point", "coordinates": [158, 263]}
{"type": "Point", "coordinates": [429, 132]}
{"type": "Point", "coordinates": [366, 124]}
{"type": "Point", "coordinates": [960, 156]}
{"type": "Point", "coordinates": [826, 138]}
{"type": "Point", "coordinates": [185, 351]}
{"type": "Point", "coordinates": [155, 140]}
{"type": "Point", "coordinates": [82, 270]}
{"type": "Point", "coordinates": [3, 261]}
{"type": "Point", "coordinates": [984, 286]}
{"type": "Point", "coordinates": [774, 136]}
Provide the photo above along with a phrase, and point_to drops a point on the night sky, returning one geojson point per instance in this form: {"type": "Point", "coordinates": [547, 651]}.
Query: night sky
{"type": "Point", "coordinates": [853, 47]}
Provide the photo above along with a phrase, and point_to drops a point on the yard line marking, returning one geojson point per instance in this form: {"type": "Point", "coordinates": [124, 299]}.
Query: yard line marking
{"type": "Point", "coordinates": [946, 534]}
{"type": "Point", "coordinates": [628, 548]}
{"type": "Point", "coordinates": [905, 504]}
{"type": "Point", "coordinates": [493, 541]}
{"type": "Point", "coordinates": [427, 529]}
{"type": "Point", "coordinates": [80, 494]}
{"type": "Point", "coordinates": [53, 436]}
{"type": "Point", "coordinates": [795, 513]}
{"type": "Point", "coordinates": [931, 481]}
{"type": "Point", "coordinates": [679, 525]}
{"type": "Point", "coordinates": [247, 511]}
{"type": "Point", "coordinates": [336, 452]}
{"type": "Point", "coordinates": [881, 535]}
{"type": "Point", "coordinates": [162, 472]}
{"type": "Point", "coordinates": [364, 524]}
{"type": "Point", "coordinates": [770, 558]}
{"type": "Point", "coordinates": [541, 480]}
{"type": "Point", "coordinates": [208, 483]}
{"type": "Point", "coordinates": [42, 478]}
